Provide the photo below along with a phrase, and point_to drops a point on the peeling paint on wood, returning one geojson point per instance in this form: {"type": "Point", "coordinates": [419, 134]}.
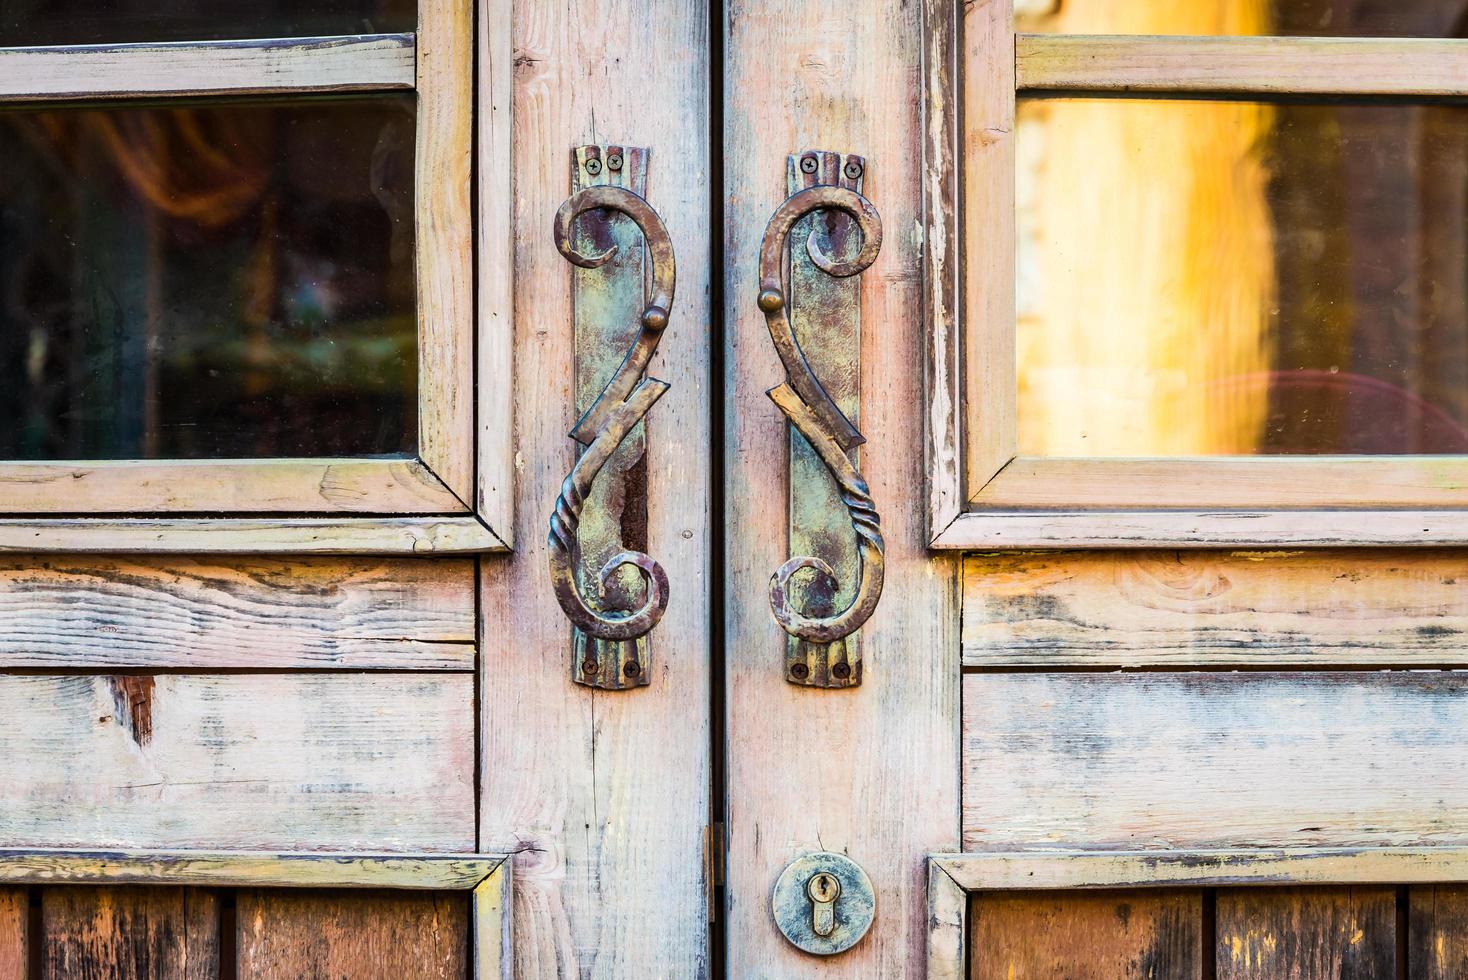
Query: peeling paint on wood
{"type": "Point", "coordinates": [1200, 608]}
{"type": "Point", "coordinates": [314, 613]}
{"type": "Point", "coordinates": [1181, 760]}
{"type": "Point", "coordinates": [384, 762]}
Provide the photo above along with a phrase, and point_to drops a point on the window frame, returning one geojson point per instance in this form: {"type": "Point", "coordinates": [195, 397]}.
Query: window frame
{"type": "Point", "coordinates": [454, 494]}
{"type": "Point", "coordinates": [954, 878]}
{"type": "Point", "coordinates": [982, 493]}
{"type": "Point", "coordinates": [484, 878]}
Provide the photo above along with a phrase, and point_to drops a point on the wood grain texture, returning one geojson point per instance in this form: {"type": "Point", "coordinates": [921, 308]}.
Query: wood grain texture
{"type": "Point", "coordinates": [1069, 868]}
{"type": "Point", "coordinates": [1306, 933]}
{"type": "Point", "coordinates": [220, 869]}
{"type": "Point", "coordinates": [976, 530]}
{"type": "Point", "coordinates": [15, 904]}
{"type": "Point", "coordinates": [948, 926]}
{"type": "Point", "coordinates": [1148, 935]}
{"type": "Point", "coordinates": [444, 239]}
{"type": "Point", "coordinates": [1437, 930]}
{"type": "Point", "coordinates": [606, 810]}
{"type": "Point", "coordinates": [943, 224]}
{"type": "Point", "coordinates": [1197, 608]}
{"type": "Point", "coordinates": [1179, 760]}
{"type": "Point", "coordinates": [258, 486]}
{"type": "Point", "coordinates": [495, 282]}
{"type": "Point", "coordinates": [217, 536]}
{"type": "Point", "coordinates": [1294, 65]}
{"type": "Point", "coordinates": [316, 613]}
{"type": "Point", "coordinates": [285, 935]}
{"type": "Point", "coordinates": [875, 774]}
{"type": "Point", "coordinates": [147, 933]}
{"type": "Point", "coordinates": [1253, 482]}
{"type": "Point", "coordinates": [377, 762]}
{"type": "Point", "coordinates": [991, 390]}
{"type": "Point", "coordinates": [372, 62]}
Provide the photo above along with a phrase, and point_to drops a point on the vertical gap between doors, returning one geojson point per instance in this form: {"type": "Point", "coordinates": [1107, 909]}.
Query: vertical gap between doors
{"type": "Point", "coordinates": [718, 799]}
{"type": "Point", "coordinates": [1209, 958]}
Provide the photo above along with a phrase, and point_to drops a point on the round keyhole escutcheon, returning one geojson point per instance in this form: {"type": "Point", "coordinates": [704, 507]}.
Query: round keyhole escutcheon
{"type": "Point", "coordinates": [823, 903]}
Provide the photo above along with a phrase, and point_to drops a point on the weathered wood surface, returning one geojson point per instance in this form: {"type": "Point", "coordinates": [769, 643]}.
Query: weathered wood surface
{"type": "Point", "coordinates": [220, 869]}
{"type": "Point", "coordinates": [989, 437]}
{"type": "Point", "coordinates": [494, 286]}
{"type": "Point", "coordinates": [871, 772]}
{"type": "Point", "coordinates": [1306, 933]}
{"type": "Point", "coordinates": [1178, 760]}
{"type": "Point", "coordinates": [1151, 935]}
{"type": "Point", "coordinates": [189, 613]}
{"type": "Point", "coordinates": [1341, 65]}
{"type": "Point", "coordinates": [982, 530]}
{"type": "Point", "coordinates": [14, 927]}
{"type": "Point", "coordinates": [602, 798]}
{"type": "Point", "coordinates": [244, 536]}
{"type": "Point", "coordinates": [1247, 483]}
{"type": "Point", "coordinates": [256, 486]}
{"type": "Point", "coordinates": [444, 240]}
{"type": "Point", "coordinates": [1046, 867]}
{"type": "Point", "coordinates": [325, 64]}
{"type": "Point", "coordinates": [1437, 918]}
{"type": "Point", "coordinates": [1198, 608]}
{"type": "Point", "coordinates": [147, 933]}
{"type": "Point", "coordinates": [289, 935]}
{"type": "Point", "coordinates": [369, 762]}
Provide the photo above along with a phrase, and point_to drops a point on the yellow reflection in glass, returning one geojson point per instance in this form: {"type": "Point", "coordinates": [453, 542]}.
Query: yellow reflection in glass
{"type": "Point", "coordinates": [1297, 18]}
{"type": "Point", "coordinates": [1221, 278]}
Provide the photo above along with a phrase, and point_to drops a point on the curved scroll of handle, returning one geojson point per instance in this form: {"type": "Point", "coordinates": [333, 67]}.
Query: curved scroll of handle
{"type": "Point", "coordinates": [617, 410]}
{"type": "Point", "coordinates": [809, 407]}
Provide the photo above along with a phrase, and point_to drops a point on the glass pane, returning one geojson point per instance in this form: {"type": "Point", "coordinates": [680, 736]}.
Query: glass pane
{"type": "Point", "coordinates": [208, 281]}
{"type": "Point", "coordinates": [1297, 18]}
{"type": "Point", "coordinates": [29, 22]}
{"type": "Point", "coordinates": [1221, 278]}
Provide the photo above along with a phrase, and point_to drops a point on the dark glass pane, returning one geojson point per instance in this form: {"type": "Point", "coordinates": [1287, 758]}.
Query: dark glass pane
{"type": "Point", "coordinates": [1220, 278]}
{"type": "Point", "coordinates": [31, 22]}
{"type": "Point", "coordinates": [208, 281]}
{"type": "Point", "coordinates": [1287, 18]}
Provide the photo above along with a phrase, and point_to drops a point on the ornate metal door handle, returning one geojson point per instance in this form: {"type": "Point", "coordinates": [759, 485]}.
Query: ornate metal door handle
{"type": "Point", "coordinates": [609, 645]}
{"type": "Point", "coordinates": [818, 653]}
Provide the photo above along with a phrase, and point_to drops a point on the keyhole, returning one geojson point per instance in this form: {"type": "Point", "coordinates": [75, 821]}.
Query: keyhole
{"type": "Point", "coordinates": [823, 889]}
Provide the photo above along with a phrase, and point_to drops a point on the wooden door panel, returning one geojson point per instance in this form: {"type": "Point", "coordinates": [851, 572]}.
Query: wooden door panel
{"type": "Point", "coordinates": [1200, 608]}
{"type": "Point", "coordinates": [1258, 933]}
{"type": "Point", "coordinates": [1180, 760]}
{"type": "Point", "coordinates": [1438, 919]}
{"type": "Point", "coordinates": [14, 926]}
{"type": "Point", "coordinates": [602, 797]}
{"type": "Point", "coordinates": [149, 933]}
{"type": "Point", "coordinates": [260, 614]}
{"type": "Point", "coordinates": [1306, 933]}
{"type": "Point", "coordinates": [174, 933]}
{"type": "Point", "coordinates": [311, 934]}
{"type": "Point", "coordinates": [288, 761]}
{"type": "Point", "coordinates": [1154, 935]}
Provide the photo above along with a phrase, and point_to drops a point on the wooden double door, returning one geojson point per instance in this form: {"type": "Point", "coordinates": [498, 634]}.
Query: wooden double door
{"type": "Point", "coordinates": [361, 702]}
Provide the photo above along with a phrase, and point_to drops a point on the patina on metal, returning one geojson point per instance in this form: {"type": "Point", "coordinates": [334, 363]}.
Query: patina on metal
{"type": "Point", "coordinates": [622, 293]}
{"type": "Point", "coordinates": [823, 903]}
{"type": "Point", "coordinates": [834, 528]}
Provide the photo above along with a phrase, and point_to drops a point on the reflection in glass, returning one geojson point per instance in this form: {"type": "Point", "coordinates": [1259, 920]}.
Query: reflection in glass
{"type": "Point", "coordinates": [1221, 278]}
{"type": "Point", "coordinates": [1287, 18]}
{"type": "Point", "coordinates": [208, 281]}
{"type": "Point", "coordinates": [32, 22]}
